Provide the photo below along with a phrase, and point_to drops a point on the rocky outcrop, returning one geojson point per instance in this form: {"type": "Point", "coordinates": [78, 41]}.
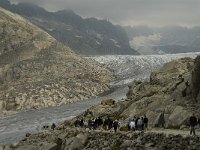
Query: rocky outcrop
{"type": "Point", "coordinates": [36, 71]}
{"type": "Point", "coordinates": [108, 102]}
{"type": "Point", "coordinates": [70, 139]}
{"type": "Point", "coordinates": [196, 79]}
{"type": "Point", "coordinates": [168, 97]}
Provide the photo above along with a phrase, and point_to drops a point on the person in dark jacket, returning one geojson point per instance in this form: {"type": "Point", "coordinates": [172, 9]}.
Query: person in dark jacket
{"type": "Point", "coordinates": [115, 125]}
{"type": "Point", "coordinates": [146, 120]}
{"type": "Point", "coordinates": [193, 123]}
{"type": "Point", "coordinates": [53, 126]}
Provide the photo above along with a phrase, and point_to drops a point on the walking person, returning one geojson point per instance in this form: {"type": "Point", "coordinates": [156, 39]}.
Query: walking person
{"type": "Point", "coordinates": [115, 125]}
{"type": "Point", "coordinates": [146, 120]}
{"type": "Point", "coordinates": [129, 124]}
{"type": "Point", "coordinates": [53, 126]}
{"type": "Point", "coordinates": [139, 124]}
{"type": "Point", "coordinates": [193, 123]}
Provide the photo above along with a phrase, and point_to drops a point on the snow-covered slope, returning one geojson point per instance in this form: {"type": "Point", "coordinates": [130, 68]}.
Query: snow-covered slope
{"type": "Point", "coordinates": [128, 67]}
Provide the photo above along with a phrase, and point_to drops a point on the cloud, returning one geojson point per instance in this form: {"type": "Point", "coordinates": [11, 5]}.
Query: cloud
{"type": "Point", "coordinates": [131, 12]}
{"type": "Point", "coordinates": [143, 44]}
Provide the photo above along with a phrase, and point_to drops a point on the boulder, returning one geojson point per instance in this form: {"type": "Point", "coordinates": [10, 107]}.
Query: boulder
{"type": "Point", "coordinates": [77, 142]}
{"type": "Point", "coordinates": [196, 78]}
{"type": "Point", "coordinates": [108, 102]}
{"type": "Point", "coordinates": [178, 117]}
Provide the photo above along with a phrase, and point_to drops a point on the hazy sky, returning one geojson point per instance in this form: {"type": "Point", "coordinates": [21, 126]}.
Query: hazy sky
{"type": "Point", "coordinates": [131, 12]}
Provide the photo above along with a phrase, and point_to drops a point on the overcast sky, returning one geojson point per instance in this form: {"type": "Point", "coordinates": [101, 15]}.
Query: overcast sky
{"type": "Point", "coordinates": [131, 12]}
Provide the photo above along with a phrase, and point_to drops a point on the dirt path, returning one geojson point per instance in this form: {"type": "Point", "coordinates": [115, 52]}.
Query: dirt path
{"type": "Point", "coordinates": [174, 132]}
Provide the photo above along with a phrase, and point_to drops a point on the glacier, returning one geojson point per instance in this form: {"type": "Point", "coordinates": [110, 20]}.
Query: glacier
{"type": "Point", "coordinates": [128, 68]}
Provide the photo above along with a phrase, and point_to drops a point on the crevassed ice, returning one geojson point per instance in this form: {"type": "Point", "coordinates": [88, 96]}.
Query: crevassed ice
{"type": "Point", "coordinates": [130, 67]}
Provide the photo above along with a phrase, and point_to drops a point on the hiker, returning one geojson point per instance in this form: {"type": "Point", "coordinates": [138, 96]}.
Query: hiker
{"type": "Point", "coordinates": [129, 124]}
{"type": "Point", "coordinates": [45, 127]}
{"type": "Point", "coordinates": [145, 122]}
{"type": "Point", "coordinates": [90, 123]}
{"type": "Point", "coordinates": [142, 126]}
{"type": "Point", "coordinates": [162, 120]}
{"type": "Point", "coordinates": [85, 123]}
{"type": "Point", "coordinates": [115, 125]}
{"type": "Point", "coordinates": [53, 126]}
{"type": "Point", "coordinates": [132, 125]}
{"type": "Point", "coordinates": [94, 125]}
{"type": "Point", "coordinates": [136, 123]}
{"type": "Point", "coordinates": [105, 124]}
{"type": "Point", "coordinates": [110, 123]}
{"type": "Point", "coordinates": [193, 123]}
{"type": "Point", "coordinates": [139, 124]}
{"type": "Point", "coordinates": [81, 123]}
{"type": "Point", "coordinates": [28, 134]}
{"type": "Point", "coordinates": [77, 123]}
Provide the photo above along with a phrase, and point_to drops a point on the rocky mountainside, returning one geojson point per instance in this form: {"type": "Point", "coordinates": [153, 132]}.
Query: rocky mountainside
{"type": "Point", "coordinates": [37, 71]}
{"type": "Point", "coordinates": [168, 99]}
{"type": "Point", "coordinates": [86, 36]}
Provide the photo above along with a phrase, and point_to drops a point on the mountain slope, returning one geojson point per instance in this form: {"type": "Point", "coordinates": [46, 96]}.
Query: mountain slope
{"type": "Point", "coordinates": [37, 71]}
{"type": "Point", "coordinates": [85, 36]}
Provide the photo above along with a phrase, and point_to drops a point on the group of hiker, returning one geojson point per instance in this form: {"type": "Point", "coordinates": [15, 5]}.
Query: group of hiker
{"type": "Point", "coordinates": [138, 123]}
{"type": "Point", "coordinates": [94, 123]}
{"type": "Point", "coordinates": [135, 123]}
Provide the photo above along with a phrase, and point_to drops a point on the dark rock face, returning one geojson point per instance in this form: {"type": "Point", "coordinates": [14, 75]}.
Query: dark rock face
{"type": "Point", "coordinates": [37, 71]}
{"type": "Point", "coordinates": [196, 79]}
{"type": "Point", "coordinates": [85, 36]}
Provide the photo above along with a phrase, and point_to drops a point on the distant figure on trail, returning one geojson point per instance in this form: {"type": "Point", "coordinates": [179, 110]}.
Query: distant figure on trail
{"type": "Point", "coordinates": [53, 126]}
{"type": "Point", "coordinates": [132, 125]}
{"type": "Point", "coordinates": [115, 125]}
{"type": "Point", "coordinates": [139, 124]}
{"type": "Point", "coordinates": [146, 120]}
{"type": "Point", "coordinates": [77, 123]}
{"type": "Point", "coordinates": [129, 124]}
{"type": "Point", "coordinates": [193, 123]}
{"type": "Point", "coordinates": [81, 123]}
{"type": "Point", "coordinates": [45, 127]}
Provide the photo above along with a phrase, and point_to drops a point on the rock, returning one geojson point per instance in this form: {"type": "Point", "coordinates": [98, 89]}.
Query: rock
{"type": "Point", "coordinates": [183, 127]}
{"type": "Point", "coordinates": [148, 145]}
{"type": "Point", "coordinates": [6, 147]}
{"type": "Point", "coordinates": [162, 98]}
{"type": "Point", "coordinates": [49, 146]}
{"type": "Point", "coordinates": [126, 143]}
{"type": "Point", "coordinates": [1, 147]}
{"type": "Point", "coordinates": [108, 102]}
{"type": "Point", "coordinates": [139, 139]}
{"type": "Point", "coordinates": [178, 117]}
{"type": "Point", "coordinates": [77, 142]}
{"type": "Point", "coordinates": [36, 71]}
{"type": "Point", "coordinates": [83, 138]}
{"type": "Point", "coordinates": [28, 147]}
{"type": "Point", "coordinates": [196, 78]}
